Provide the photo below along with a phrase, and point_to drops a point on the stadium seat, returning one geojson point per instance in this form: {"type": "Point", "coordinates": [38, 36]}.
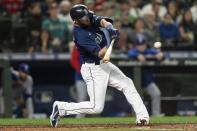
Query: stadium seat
{"type": "Point", "coordinates": [5, 32]}
{"type": "Point", "coordinates": [20, 38]}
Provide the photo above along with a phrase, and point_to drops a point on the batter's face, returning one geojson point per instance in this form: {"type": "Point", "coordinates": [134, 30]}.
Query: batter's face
{"type": "Point", "coordinates": [82, 23]}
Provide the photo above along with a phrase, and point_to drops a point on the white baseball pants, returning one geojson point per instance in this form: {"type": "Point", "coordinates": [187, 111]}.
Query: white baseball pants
{"type": "Point", "coordinates": [97, 78]}
{"type": "Point", "coordinates": [82, 94]}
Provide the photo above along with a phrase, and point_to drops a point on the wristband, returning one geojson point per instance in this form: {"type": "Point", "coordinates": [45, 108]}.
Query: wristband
{"type": "Point", "coordinates": [110, 26]}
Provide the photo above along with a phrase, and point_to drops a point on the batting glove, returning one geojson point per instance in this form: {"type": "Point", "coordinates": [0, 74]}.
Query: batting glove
{"type": "Point", "coordinates": [114, 33]}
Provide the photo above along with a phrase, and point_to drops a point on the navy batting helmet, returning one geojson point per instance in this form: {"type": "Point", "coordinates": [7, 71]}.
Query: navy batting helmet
{"type": "Point", "coordinates": [80, 12]}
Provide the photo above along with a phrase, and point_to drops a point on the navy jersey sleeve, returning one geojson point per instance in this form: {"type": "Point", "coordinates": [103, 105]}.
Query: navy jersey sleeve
{"type": "Point", "coordinates": [133, 53]}
{"type": "Point", "coordinates": [87, 43]}
{"type": "Point", "coordinates": [97, 20]}
{"type": "Point", "coordinates": [152, 51]}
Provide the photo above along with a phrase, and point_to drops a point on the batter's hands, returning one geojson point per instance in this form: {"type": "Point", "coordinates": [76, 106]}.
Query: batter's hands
{"type": "Point", "coordinates": [114, 33]}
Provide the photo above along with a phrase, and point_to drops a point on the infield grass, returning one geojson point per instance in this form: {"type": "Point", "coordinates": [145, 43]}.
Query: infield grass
{"type": "Point", "coordinates": [96, 121]}
{"type": "Point", "coordinates": [74, 122]}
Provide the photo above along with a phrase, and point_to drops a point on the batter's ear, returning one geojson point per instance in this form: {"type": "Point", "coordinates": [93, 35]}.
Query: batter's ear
{"type": "Point", "coordinates": [76, 21]}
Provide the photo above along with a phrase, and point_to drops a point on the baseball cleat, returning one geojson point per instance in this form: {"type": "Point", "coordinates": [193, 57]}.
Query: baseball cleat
{"type": "Point", "coordinates": [55, 117]}
{"type": "Point", "coordinates": [142, 122]}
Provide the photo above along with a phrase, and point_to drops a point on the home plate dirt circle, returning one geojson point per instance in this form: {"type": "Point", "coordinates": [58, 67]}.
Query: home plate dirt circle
{"type": "Point", "coordinates": [151, 127]}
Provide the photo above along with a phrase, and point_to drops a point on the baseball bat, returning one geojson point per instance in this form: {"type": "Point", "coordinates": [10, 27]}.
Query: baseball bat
{"type": "Point", "coordinates": [107, 56]}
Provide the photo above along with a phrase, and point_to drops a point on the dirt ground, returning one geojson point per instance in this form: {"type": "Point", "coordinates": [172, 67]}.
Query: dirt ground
{"type": "Point", "coordinates": [151, 127]}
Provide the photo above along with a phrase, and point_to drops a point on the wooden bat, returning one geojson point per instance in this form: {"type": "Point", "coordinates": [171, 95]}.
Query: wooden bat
{"type": "Point", "coordinates": [107, 56]}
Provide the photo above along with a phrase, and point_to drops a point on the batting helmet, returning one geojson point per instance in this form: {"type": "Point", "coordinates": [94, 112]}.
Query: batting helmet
{"type": "Point", "coordinates": [80, 12]}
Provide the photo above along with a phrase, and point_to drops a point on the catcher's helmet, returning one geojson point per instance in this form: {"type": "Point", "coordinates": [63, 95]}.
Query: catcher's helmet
{"type": "Point", "coordinates": [80, 12]}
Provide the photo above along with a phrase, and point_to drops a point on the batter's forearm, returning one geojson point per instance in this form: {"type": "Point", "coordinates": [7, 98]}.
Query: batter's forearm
{"type": "Point", "coordinates": [102, 52]}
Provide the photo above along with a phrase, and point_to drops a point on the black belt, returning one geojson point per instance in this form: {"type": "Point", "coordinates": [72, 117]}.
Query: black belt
{"type": "Point", "coordinates": [95, 62]}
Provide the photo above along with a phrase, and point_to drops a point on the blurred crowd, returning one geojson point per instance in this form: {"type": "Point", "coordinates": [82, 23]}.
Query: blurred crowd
{"type": "Point", "coordinates": [45, 26]}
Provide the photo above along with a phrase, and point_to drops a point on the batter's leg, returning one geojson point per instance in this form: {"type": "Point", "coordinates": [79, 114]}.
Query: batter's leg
{"type": "Point", "coordinates": [155, 95]}
{"type": "Point", "coordinates": [121, 82]}
{"type": "Point", "coordinates": [81, 90]}
{"type": "Point", "coordinates": [96, 80]}
{"type": "Point", "coordinates": [81, 94]}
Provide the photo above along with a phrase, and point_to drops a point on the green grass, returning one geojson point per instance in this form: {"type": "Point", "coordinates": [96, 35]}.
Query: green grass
{"type": "Point", "coordinates": [96, 121]}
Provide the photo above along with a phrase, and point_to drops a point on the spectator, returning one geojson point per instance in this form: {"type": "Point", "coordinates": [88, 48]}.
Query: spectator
{"type": "Point", "coordinates": [99, 11]}
{"type": "Point", "coordinates": [64, 13]}
{"type": "Point", "coordinates": [151, 26]}
{"type": "Point", "coordinates": [13, 7]}
{"type": "Point", "coordinates": [187, 28]}
{"type": "Point", "coordinates": [141, 53]}
{"type": "Point", "coordinates": [193, 11]}
{"type": "Point", "coordinates": [183, 4]}
{"type": "Point", "coordinates": [140, 31]}
{"type": "Point", "coordinates": [45, 6]}
{"type": "Point", "coordinates": [168, 31]}
{"type": "Point", "coordinates": [34, 23]}
{"type": "Point", "coordinates": [135, 11]}
{"type": "Point", "coordinates": [156, 7]}
{"type": "Point", "coordinates": [126, 24]}
{"type": "Point", "coordinates": [2, 9]}
{"type": "Point", "coordinates": [123, 44]}
{"type": "Point", "coordinates": [23, 89]}
{"type": "Point", "coordinates": [74, 2]}
{"type": "Point", "coordinates": [109, 10]}
{"type": "Point", "coordinates": [27, 4]}
{"type": "Point", "coordinates": [99, 2]}
{"type": "Point", "coordinates": [54, 33]}
{"type": "Point", "coordinates": [124, 6]}
{"type": "Point", "coordinates": [90, 4]}
{"type": "Point", "coordinates": [173, 12]}
{"type": "Point", "coordinates": [141, 3]}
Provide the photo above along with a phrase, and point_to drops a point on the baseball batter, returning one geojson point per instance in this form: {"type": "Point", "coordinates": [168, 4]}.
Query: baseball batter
{"type": "Point", "coordinates": [92, 45]}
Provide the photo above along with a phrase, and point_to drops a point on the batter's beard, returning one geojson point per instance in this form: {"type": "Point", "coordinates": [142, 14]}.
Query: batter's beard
{"type": "Point", "coordinates": [84, 25]}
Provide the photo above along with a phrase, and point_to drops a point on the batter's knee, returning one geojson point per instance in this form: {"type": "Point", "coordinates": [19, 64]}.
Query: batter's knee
{"type": "Point", "coordinates": [127, 83]}
{"type": "Point", "coordinates": [98, 109]}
